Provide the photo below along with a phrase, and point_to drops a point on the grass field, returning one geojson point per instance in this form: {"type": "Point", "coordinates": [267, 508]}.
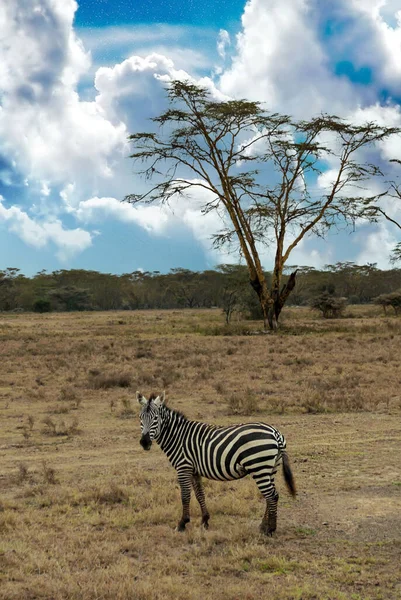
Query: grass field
{"type": "Point", "coordinates": [86, 514]}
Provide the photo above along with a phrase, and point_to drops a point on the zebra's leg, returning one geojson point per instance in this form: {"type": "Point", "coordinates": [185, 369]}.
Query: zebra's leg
{"type": "Point", "coordinates": [185, 480]}
{"type": "Point", "coordinates": [200, 496]}
{"type": "Point", "coordinates": [265, 484]}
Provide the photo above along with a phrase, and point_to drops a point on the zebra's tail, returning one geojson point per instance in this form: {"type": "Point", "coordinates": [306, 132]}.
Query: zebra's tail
{"type": "Point", "coordinates": [288, 476]}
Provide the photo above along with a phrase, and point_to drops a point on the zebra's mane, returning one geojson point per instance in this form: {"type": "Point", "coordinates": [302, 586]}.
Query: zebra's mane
{"type": "Point", "coordinates": [178, 413]}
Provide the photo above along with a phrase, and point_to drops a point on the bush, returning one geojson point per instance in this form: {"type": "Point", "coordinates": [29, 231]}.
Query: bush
{"type": "Point", "coordinates": [41, 305]}
{"type": "Point", "coordinates": [98, 381]}
{"type": "Point", "coordinates": [245, 403]}
{"type": "Point", "coordinates": [61, 428]}
{"type": "Point", "coordinates": [393, 300]}
{"type": "Point", "coordinates": [330, 306]}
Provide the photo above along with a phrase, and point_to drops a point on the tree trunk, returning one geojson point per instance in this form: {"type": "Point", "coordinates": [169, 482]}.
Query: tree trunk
{"type": "Point", "coordinates": [272, 303]}
{"type": "Point", "coordinates": [279, 299]}
{"type": "Point", "coordinates": [266, 303]}
{"type": "Point", "coordinates": [284, 294]}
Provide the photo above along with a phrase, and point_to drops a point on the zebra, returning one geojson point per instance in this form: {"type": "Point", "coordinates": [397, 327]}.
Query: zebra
{"type": "Point", "coordinates": [197, 449]}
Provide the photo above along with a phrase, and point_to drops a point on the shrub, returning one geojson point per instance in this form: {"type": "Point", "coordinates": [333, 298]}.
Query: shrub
{"type": "Point", "coordinates": [127, 410]}
{"type": "Point", "coordinates": [23, 473]}
{"type": "Point", "coordinates": [330, 306]}
{"type": "Point", "coordinates": [41, 305]}
{"type": "Point", "coordinates": [62, 428]}
{"type": "Point", "coordinates": [49, 474]}
{"type": "Point", "coordinates": [108, 494]}
{"type": "Point", "coordinates": [244, 404]}
{"type": "Point", "coordinates": [386, 300]}
{"type": "Point", "coordinates": [100, 381]}
{"type": "Point", "coordinates": [68, 393]}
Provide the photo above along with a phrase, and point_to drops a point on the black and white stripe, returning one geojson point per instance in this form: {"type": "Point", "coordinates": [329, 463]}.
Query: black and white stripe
{"type": "Point", "coordinates": [222, 453]}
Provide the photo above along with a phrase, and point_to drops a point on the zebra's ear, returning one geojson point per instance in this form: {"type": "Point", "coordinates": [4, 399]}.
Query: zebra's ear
{"type": "Point", "coordinates": [160, 399]}
{"type": "Point", "coordinates": [141, 399]}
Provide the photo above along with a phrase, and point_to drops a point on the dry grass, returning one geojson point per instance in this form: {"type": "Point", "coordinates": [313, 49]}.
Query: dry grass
{"type": "Point", "coordinates": [85, 514]}
{"type": "Point", "coordinates": [104, 381]}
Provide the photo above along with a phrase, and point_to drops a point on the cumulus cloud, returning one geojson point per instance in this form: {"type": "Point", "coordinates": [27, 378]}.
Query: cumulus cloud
{"type": "Point", "coordinates": [161, 220]}
{"type": "Point", "coordinates": [133, 91]}
{"type": "Point", "coordinates": [376, 245]}
{"type": "Point", "coordinates": [279, 60]}
{"type": "Point", "coordinates": [168, 220]}
{"type": "Point", "coordinates": [287, 54]}
{"type": "Point", "coordinates": [376, 26]}
{"type": "Point", "coordinates": [123, 88]}
{"type": "Point", "coordinates": [44, 127]}
{"type": "Point", "coordinates": [68, 242]}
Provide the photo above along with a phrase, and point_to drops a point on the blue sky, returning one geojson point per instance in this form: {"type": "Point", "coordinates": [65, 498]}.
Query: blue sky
{"type": "Point", "coordinates": [77, 78]}
{"type": "Point", "coordinates": [106, 13]}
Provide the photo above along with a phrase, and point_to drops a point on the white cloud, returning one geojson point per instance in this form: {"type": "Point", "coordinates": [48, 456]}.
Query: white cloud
{"type": "Point", "coordinates": [281, 61]}
{"type": "Point", "coordinates": [376, 245]}
{"type": "Point", "coordinates": [379, 41]}
{"type": "Point", "coordinates": [223, 42]}
{"type": "Point", "coordinates": [133, 91]}
{"type": "Point", "coordinates": [284, 59]}
{"type": "Point", "coordinates": [44, 127]}
{"type": "Point", "coordinates": [69, 242]}
{"type": "Point", "coordinates": [161, 220]}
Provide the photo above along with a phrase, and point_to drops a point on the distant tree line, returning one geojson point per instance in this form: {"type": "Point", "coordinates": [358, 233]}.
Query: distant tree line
{"type": "Point", "coordinates": [226, 287]}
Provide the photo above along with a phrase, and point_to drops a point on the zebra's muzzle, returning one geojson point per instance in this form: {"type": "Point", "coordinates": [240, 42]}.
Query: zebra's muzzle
{"type": "Point", "coordinates": [146, 442]}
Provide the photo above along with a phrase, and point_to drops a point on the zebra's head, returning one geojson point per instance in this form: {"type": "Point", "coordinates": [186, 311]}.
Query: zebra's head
{"type": "Point", "coordinates": [150, 418]}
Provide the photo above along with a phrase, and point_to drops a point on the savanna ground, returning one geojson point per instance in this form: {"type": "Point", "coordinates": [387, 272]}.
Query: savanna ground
{"type": "Point", "coordinates": [86, 514]}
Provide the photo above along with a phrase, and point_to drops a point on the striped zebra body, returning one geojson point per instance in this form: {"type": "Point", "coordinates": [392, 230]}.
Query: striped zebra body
{"type": "Point", "coordinates": [198, 450]}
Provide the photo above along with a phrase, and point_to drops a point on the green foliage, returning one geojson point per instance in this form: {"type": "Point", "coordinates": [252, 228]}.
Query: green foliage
{"type": "Point", "coordinates": [41, 305]}
{"type": "Point", "coordinates": [70, 298]}
{"type": "Point", "coordinates": [10, 282]}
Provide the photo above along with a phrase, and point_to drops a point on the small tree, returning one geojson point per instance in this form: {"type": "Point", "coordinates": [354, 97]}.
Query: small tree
{"type": "Point", "coordinates": [330, 306]}
{"type": "Point", "coordinates": [393, 300]}
{"type": "Point", "coordinates": [185, 287]}
{"type": "Point", "coordinates": [257, 170]}
{"type": "Point", "coordinates": [233, 287]}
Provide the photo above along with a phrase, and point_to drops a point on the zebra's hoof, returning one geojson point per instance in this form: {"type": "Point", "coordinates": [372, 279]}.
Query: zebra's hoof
{"type": "Point", "coordinates": [181, 525]}
{"type": "Point", "coordinates": [266, 530]}
{"type": "Point", "coordinates": [205, 521]}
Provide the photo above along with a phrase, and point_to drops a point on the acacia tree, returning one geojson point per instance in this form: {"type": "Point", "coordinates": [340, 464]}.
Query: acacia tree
{"type": "Point", "coordinates": [259, 172]}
